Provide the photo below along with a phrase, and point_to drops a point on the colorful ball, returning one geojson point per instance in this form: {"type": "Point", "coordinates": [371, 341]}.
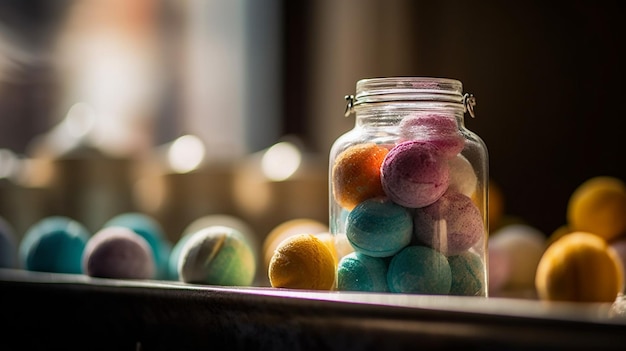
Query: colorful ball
{"type": "Point", "coordinates": [379, 227]}
{"type": "Point", "coordinates": [419, 270]}
{"type": "Point", "coordinates": [523, 246]}
{"type": "Point", "coordinates": [286, 229]}
{"type": "Point", "coordinates": [118, 253]}
{"type": "Point", "coordinates": [440, 130]}
{"type": "Point", "coordinates": [414, 174]}
{"type": "Point", "coordinates": [463, 178]}
{"type": "Point", "coordinates": [302, 261]}
{"type": "Point", "coordinates": [597, 206]}
{"type": "Point", "coordinates": [356, 174]}
{"type": "Point", "coordinates": [579, 267]}
{"type": "Point", "coordinates": [205, 222]}
{"type": "Point", "coordinates": [54, 244]}
{"type": "Point", "coordinates": [217, 255]}
{"type": "Point", "coordinates": [468, 274]}
{"type": "Point", "coordinates": [152, 231]}
{"type": "Point", "coordinates": [359, 272]}
{"type": "Point", "coordinates": [451, 225]}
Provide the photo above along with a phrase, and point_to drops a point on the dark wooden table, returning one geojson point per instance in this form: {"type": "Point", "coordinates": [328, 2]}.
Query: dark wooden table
{"type": "Point", "coordinates": [75, 312]}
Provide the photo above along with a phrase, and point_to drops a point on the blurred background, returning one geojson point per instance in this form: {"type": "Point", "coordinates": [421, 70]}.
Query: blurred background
{"type": "Point", "coordinates": [180, 108]}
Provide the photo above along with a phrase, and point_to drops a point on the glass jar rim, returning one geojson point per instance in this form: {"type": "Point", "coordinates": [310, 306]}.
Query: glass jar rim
{"type": "Point", "coordinates": [411, 89]}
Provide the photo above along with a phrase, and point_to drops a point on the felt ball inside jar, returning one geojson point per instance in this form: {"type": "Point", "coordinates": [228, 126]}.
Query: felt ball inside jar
{"type": "Point", "coordinates": [379, 227]}
{"type": "Point", "coordinates": [356, 174]}
{"type": "Point", "coordinates": [415, 174]}
{"type": "Point", "coordinates": [438, 129]}
{"type": "Point", "coordinates": [451, 225]}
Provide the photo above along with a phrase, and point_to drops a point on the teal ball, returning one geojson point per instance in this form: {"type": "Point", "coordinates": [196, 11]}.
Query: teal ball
{"type": "Point", "coordinates": [419, 270]}
{"type": "Point", "coordinates": [468, 274]}
{"type": "Point", "coordinates": [217, 255]}
{"type": "Point", "coordinates": [359, 272]}
{"type": "Point", "coordinates": [378, 227]}
{"type": "Point", "coordinates": [152, 231]}
{"type": "Point", "coordinates": [54, 244]}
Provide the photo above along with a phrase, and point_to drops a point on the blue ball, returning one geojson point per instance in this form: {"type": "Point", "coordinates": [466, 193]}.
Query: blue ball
{"type": "Point", "coordinates": [419, 270]}
{"type": "Point", "coordinates": [151, 230]}
{"type": "Point", "coordinates": [468, 274]}
{"type": "Point", "coordinates": [217, 255]}
{"type": "Point", "coordinates": [54, 244]}
{"type": "Point", "coordinates": [359, 272]}
{"type": "Point", "coordinates": [8, 245]}
{"type": "Point", "coordinates": [378, 227]}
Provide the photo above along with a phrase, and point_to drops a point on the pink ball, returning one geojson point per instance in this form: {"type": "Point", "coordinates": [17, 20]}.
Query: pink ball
{"type": "Point", "coordinates": [414, 174]}
{"type": "Point", "coordinates": [451, 225]}
{"type": "Point", "coordinates": [440, 130]}
{"type": "Point", "coordinates": [118, 253]}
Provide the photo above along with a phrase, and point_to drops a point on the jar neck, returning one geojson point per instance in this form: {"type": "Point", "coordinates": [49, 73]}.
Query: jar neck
{"type": "Point", "coordinates": [385, 101]}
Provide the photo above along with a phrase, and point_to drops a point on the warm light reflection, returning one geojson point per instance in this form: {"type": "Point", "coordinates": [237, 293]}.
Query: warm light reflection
{"type": "Point", "coordinates": [281, 161]}
{"type": "Point", "coordinates": [8, 163]}
{"type": "Point", "coordinates": [186, 154]}
{"type": "Point", "coordinates": [79, 121]}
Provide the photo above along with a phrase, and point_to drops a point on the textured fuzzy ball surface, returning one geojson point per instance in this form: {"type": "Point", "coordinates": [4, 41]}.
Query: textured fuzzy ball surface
{"type": "Point", "coordinates": [356, 174]}
{"type": "Point", "coordinates": [415, 174]}
{"type": "Point", "coordinates": [451, 225]}
{"type": "Point", "coordinates": [440, 130]}
{"type": "Point", "coordinates": [217, 255]}
{"type": "Point", "coordinates": [302, 261]}
{"type": "Point", "coordinates": [54, 244]}
{"type": "Point", "coordinates": [419, 270]}
{"type": "Point", "coordinates": [468, 274]}
{"type": "Point", "coordinates": [379, 227]}
{"type": "Point", "coordinates": [118, 253]}
{"type": "Point", "coordinates": [151, 230]}
{"type": "Point", "coordinates": [359, 272]}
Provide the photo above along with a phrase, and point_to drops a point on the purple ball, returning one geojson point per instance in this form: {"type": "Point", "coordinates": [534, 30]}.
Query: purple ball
{"type": "Point", "coordinates": [451, 225]}
{"type": "Point", "coordinates": [118, 253]}
{"type": "Point", "coordinates": [440, 130]}
{"type": "Point", "coordinates": [414, 174]}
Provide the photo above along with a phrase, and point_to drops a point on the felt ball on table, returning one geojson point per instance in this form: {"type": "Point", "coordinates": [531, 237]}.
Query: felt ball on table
{"type": "Point", "coordinates": [54, 244]}
{"type": "Point", "coordinates": [452, 224]}
{"type": "Point", "coordinates": [217, 255]}
{"type": "Point", "coordinates": [414, 174]}
{"type": "Point", "coordinates": [302, 261]}
{"type": "Point", "coordinates": [379, 227]}
{"type": "Point", "coordinates": [521, 246]}
{"type": "Point", "coordinates": [286, 229]}
{"type": "Point", "coordinates": [468, 274]}
{"type": "Point", "coordinates": [356, 174]}
{"type": "Point", "coordinates": [118, 253]}
{"type": "Point", "coordinates": [597, 206]}
{"type": "Point", "coordinates": [359, 272]}
{"type": "Point", "coordinates": [8, 245]}
{"type": "Point", "coordinates": [419, 270]}
{"type": "Point", "coordinates": [150, 229]}
{"type": "Point", "coordinates": [579, 267]}
{"type": "Point", "coordinates": [205, 222]}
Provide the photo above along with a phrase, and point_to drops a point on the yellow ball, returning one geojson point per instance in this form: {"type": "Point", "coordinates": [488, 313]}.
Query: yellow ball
{"type": "Point", "coordinates": [286, 229]}
{"type": "Point", "coordinates": [598, 206]}
{"type": "Point", "coordinates": [302, 261]}
{"type": "Point", "coordinates": [579, 267]}
{"type": "Point", "coordinates": [557, 234]}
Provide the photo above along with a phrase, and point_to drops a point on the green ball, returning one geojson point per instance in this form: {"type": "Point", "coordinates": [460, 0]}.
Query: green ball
{"type": "Point", "coordinates": [419, 270]}
{"type": "Point", "coordinates": [468, 274]}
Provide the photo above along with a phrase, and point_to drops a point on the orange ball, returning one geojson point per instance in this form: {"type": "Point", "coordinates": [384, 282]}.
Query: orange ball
{"type": "Point", "coordinates": [598, 206]}
{"type": "Point", "coordinates": [356, 174]}
{"type": "Point", "coordinates": [579, 267]}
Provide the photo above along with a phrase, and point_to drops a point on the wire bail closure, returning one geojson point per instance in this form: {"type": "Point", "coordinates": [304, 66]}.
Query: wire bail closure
{"type": "Point", "coordinates": [469, 101]}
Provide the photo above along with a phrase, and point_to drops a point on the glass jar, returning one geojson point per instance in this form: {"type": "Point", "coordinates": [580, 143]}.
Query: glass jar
{"type": "Point", "coordinates": [408, 190]}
